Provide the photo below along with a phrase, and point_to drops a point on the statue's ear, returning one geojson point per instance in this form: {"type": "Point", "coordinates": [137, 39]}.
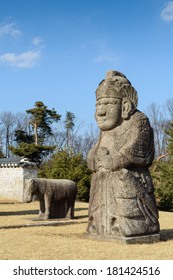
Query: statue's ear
{"type": "Point", "coordinates": [126, 108]}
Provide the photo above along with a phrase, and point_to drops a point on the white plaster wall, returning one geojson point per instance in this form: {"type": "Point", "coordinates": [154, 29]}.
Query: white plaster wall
{"type": "Point", "coordinates": [12, 181]}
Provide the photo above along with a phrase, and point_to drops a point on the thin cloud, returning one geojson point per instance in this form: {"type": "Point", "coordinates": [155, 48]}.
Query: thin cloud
{"type": "Point", "coordinates": [23, 60]}
{"type": "Point", "coordinates": [9, 27]}
{"type": "Point", "coordinates": [167, 12]}
{"type": "Point", "coordinates": [37, 42]}
{"type": "Point", "coordinates": [105, 58]}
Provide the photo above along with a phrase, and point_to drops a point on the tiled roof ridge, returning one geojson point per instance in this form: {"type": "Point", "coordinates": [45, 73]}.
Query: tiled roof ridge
{"type": "Point", "coordinates": [16, 162]}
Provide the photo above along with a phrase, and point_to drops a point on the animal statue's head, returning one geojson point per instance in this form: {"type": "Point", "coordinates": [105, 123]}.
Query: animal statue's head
{"type": "Point", "coordinates": [29, 190]}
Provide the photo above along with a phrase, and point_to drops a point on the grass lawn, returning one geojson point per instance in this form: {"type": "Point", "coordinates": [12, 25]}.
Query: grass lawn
{"type": "Point", "coordinates": [64, 239]}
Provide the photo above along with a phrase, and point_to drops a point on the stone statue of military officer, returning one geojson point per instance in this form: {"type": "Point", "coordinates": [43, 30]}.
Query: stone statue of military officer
{"type": "Point", "coordinates": [122, 201]}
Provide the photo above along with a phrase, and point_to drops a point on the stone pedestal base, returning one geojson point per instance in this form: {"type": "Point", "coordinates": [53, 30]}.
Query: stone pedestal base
{"type": "Point", "coordinates": [147, 239]}
{"type": "Point", "coordinates": [140, 239]}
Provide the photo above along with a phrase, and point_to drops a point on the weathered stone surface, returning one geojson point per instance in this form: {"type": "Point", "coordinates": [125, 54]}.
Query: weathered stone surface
{"type": "Point", "coordinates": [122, 202]}
{"type": "Point", "coordinates": [56, 196]}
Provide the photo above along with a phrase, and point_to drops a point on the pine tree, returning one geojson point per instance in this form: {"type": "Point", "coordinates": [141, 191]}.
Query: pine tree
{"type": "Point", "coordinates": [41, 119]}
{"type": "Point", "coordinates": [32, 145]}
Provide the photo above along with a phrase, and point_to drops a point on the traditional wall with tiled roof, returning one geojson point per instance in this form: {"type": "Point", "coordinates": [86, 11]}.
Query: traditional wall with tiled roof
{"type": "Point", "coordinates": [12, 175]}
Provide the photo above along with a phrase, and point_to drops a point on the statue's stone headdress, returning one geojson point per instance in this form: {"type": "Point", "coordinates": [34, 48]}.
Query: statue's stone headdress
{"type": "Point", "coordinates": [116, 85]}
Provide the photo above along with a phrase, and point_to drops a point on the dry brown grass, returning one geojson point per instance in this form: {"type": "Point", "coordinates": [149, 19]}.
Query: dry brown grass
{"type": "Point", "coordinates": [65, 240]}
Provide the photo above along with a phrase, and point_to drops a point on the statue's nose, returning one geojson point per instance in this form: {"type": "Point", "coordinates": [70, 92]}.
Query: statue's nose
{"type": "Point", "coordinates": [101, 111]}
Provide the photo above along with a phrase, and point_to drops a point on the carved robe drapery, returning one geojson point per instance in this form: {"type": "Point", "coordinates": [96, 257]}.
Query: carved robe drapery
{"type": "Point", "coordinates": [122, 201]}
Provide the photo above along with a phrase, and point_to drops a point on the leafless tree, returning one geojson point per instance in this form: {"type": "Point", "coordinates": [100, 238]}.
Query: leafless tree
{"type": "Point", "coordinates": [159, 123]}
{"type": "Point", "coordinates": [1, 141]}
{"type": "Point", "coordinates": [8, 121]}
{"type": "Point", "coordinates": [169, 108]}
{"type": "Point", "coordinates": [90, 138]}
{"type": "Point", "coordinates": [22, 122]}
{"type": "Point", "coordinates": [82, 138]}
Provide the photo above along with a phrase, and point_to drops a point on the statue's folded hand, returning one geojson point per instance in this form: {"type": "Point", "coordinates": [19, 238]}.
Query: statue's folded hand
{"type": "Point", "coordinates": [103, 159]}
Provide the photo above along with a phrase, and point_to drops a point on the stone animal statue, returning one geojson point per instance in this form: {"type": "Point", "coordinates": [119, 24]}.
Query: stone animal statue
{"type": "Point", "coordinates": [122, 202]}
{"type": "Point", "coordinates": [56, 196]}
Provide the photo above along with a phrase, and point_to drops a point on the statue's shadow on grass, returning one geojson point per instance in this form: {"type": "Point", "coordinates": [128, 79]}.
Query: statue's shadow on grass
{"type": "Point", "coordinates": [77, 217]}
{"type": "Point", "coordinates": [166, 234]}
{"type": "Point", "coordinates": [5, 203]}
{"type": "Point", "coordinates": [81, 209]}
{"type": "Point", "coordinates": [19, 213]}
{"type": "Point", "coordinates": [35, 212]}
{"type": "Point", "coordinates": [80, 217]}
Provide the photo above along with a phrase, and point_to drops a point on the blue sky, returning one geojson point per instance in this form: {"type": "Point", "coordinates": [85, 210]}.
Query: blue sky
{"type": "Point", "coordinates": [57, 51]}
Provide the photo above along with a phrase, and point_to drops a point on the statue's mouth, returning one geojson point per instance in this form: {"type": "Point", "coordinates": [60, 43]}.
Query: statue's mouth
{"type": "Point", "coordinates": [101, 120]}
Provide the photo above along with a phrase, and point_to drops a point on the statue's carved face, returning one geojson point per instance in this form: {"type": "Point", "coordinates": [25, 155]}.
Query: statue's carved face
{"type": "Point", "coordinates": [108, 113]}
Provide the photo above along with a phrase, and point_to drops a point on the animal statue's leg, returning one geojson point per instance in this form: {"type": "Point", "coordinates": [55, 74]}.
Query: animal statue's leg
{"type": "Point", "coordinates": [42, 207]}
{"type": "Point", "coordinates": [72, 211]}
{"type": "Point", "coordinates": [47, 201]}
